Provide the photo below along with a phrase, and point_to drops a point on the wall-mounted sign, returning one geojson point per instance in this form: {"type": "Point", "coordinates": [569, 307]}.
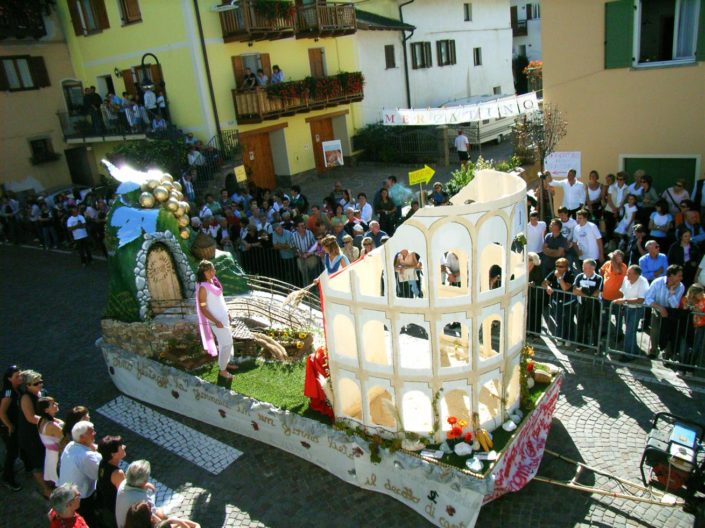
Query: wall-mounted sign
{"type": "Point", "coordinates": [333, 153]}
{"type": "Point", "coordinates": [240, 173]}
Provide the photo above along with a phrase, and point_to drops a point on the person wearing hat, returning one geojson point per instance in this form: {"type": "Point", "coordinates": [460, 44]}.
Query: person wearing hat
{"type": "Point", "coordinates": [358, 235]}
{"type": "Point", "coordinates": [675, 195]}
{"type": "Point", "coordinates": [438, 196]}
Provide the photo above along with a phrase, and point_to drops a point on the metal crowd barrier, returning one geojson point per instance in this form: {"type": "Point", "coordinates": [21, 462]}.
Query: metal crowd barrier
{"type": "Point", "coordinates": [618, 333]}
{"type": "Point", "coordinates": [268, 262]}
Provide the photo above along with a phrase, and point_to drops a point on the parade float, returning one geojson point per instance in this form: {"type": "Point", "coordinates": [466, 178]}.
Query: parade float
{"type": "Point", "coordinates": [415, 383]}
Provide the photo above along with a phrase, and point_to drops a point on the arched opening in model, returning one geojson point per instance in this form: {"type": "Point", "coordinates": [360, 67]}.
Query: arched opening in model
{"type": "Point", "coordinates": [517, 254]}
{"type": "Point", "coordinates": [406, 251]}
{"type": "Point", "coordinates": [414, 346]}
{"type": "Point", "coordinates": [492, 240]}
{"type": "Point", "coordinates": [351, 397]}
{"type": "Point", "coordinates": [451, 248]}
{"type": "Point", "coordinates": [417, 411]}
{"type": "Point", "coordinates": [454, 345]}
{"type": "Point", "coordinates": [381, 407]}
{"type": "Point", "coordinates": [456, 403]}
{"type": "Point", "coordinates": [489, 337]}
{"type": "Point", "coordinates": [377, 340]}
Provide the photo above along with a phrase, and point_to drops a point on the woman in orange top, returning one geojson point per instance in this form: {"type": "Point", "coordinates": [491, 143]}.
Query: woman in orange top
{"type": "Point", "coordinates": [613, 272]}
{"type": "Point", "coordinates": [693, 347]}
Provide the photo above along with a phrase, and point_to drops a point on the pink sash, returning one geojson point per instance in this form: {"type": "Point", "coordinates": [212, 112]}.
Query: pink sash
{"type": "Point", "coordinates": [203, 322]}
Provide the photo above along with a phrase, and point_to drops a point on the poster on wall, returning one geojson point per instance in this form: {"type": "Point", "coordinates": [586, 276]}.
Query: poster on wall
{"type": "Point", "coordinates": [333, 153]}
{"type": "Point", "coordinates": [559, 163]}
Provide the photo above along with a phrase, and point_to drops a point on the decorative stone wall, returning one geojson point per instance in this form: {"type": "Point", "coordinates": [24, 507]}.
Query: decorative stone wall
{"type": "Point", "coordinates": [188, 278]}
{"type": "Point", "coordinates": [150, 339]}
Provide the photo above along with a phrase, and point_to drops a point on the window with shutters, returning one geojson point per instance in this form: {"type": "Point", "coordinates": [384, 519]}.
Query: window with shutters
{"type": "Point", "coordinates": [467, 11]}
{"type": "Point", "coordinates": [421, 55]}
{"type": "Point", "coordinates": [130, 11]}
{"type": "Point", "coordinates": [90, 16]}
{"type": "Point", "coordinates": [646, 33]}
{"type": "Point", "coordinates": [667, 30]}
{"type": "Point", "coordinates": [23, 73]}
{"type": "Point", "coordinates": [445, 52]}
{"type": "Point", "coordinates": [389, 58]}
{"type": "Point", "coordinates": [477, 56]}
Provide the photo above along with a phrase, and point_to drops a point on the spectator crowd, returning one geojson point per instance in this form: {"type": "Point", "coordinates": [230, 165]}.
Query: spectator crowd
{"type": "Point", "coordinates": [78, 473]}
{"type": "Point", "coordinates": [621, 258]}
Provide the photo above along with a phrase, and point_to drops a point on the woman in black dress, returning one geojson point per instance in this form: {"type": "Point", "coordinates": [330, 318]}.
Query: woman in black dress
{"type": "Point", "coordinates": [30, 443]}
{"type": "Point", "coordinates": [9, 414]}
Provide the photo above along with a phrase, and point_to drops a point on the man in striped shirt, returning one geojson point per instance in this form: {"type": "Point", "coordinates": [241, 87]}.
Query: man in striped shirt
{"type": "Point", "coordinates": [305, 244]}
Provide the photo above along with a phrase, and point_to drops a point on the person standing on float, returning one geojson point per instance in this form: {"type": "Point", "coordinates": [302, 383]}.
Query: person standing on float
{"type": "Point", "coordinates": [213, 317]}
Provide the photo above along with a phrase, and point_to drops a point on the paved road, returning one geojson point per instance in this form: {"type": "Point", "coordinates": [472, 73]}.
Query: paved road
{"type": "Point", "coordinates": [50, 315]}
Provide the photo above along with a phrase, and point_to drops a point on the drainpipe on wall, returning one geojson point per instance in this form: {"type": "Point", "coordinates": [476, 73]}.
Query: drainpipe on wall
{"type": "Point", "coordinates": [404, 39]}
{"type": "Point", "coordinates": [219, 132]}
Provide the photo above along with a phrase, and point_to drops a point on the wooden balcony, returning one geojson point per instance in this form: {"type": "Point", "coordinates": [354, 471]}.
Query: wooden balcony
{"type": "Point", "coordinates": [250, 21]}
{"type": "Point", "coordinates": [264, 20]}
{"type": "Point", "coordinates": [255, 106]}
{"type": "Point", "coordinates": [325, 20]}
{"type": "Point", "coordinates": [22, 20]}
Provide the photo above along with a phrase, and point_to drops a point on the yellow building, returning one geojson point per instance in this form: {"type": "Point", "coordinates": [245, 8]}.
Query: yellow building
{"type": "Point", "coordinates": [200, 52]}
{"type": "Point", "coordinates": [630, 78]}
{"type": "Point", "coordinates": [35, 60]}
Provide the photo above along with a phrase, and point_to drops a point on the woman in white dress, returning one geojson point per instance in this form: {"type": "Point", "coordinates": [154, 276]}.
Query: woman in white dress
{"type": "Point", "coordinates": [51, 434]}
{"type": "Point", "coordinates": [213, 317]}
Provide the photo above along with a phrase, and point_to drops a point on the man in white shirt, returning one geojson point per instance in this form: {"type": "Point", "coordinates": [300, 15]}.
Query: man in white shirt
{"type": "Point", "coordinates": [630, 307]}
{"type": "Point", "coordinates": [587, 239]}
{"type": "Point", "coordinates": [150, 102]}
{"type": "Point", "coordinates": [462, 145]}
{"type": "Point", "coordinates": [664, 297]}
{"type": "Point", "coordinates": [76, 224]}
{"type": "Point", "coordinates": [135, 489]}
{"type": "Point", "coordinates": [79, 465]}
{"type": "Point", "coordinates": [573, 191]}
{"type": "Point", "coordinates": [535, 233]}
{"type": "Point", "coordinates": [365, 208]}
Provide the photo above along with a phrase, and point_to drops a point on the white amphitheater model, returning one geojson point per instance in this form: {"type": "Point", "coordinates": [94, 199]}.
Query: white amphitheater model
{"type": "Point", "coordinates": [460, 332]}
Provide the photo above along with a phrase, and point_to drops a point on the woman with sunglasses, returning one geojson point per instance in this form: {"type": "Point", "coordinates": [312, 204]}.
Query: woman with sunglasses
{"type": "Point", "coordinates": [30, 443]}
{"type": "Point", "coordinates": [367, 246]}
{"type": "Point", "coordinates": [51, 435]}
{"type": "Point", "coordinates": [9, 415]}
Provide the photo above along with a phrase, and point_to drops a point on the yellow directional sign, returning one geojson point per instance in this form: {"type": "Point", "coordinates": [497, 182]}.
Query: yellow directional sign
{"type": "Point", "coordinates": [421, 176]}
{"type": "Point", "coordinates": [240, 174]}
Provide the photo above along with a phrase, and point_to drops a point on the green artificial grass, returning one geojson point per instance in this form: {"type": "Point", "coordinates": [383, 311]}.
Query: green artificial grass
{"type": "Point", "coordinates": [281, 384]}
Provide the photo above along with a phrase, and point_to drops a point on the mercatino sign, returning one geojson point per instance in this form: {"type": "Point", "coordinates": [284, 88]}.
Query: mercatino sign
{"type": "Point", "coordinates": [455, 115]}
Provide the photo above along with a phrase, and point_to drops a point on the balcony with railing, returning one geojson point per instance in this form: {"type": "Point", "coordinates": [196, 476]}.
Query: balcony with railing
{"type": "Point", "coordinates": [250, 20]}
{"type": "Point", "coordinates": [519, 28]}
{"type": "Point", "coordinates": [276, 100]}
{"type": "Point", "coordinates": [322, 20]}
{"type": "Point", "coordinates": [22, 20]}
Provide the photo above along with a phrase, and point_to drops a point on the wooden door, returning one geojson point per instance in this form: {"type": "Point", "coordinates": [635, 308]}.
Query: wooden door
{"type": "Point", "coordinates": [321, 130]}
{"type": "Point", "coordinates": [513, 16]}
{"type": "Point", "coordinates": [316, 59]}
{"type": "Point", "coordinates": [162, 281]}
{"type": "Point", "coordinates": [257, 158]}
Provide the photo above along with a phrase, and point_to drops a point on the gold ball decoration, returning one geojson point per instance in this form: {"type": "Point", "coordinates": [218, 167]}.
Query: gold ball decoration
{"type": "Point", "coordinates": [185, 232]}
{"type": "Point", "coordinates": [152, 184]}
{"type": "Point", "coordinates": [147, 200]}
{"type": "Point", "coordinates": [179, 212]}
{"type": "Point", "coordinates": [177, 186]}
{"type": "Point", "coordinates": [172, 204]}
{"type": "Point", "coordinates": [145, 187]}
{"type": "Point", "coordinates": [167, 177]}
{"type": "Point", "coordinates": [161, 194]}
{"type": "Point", "coordinates": [167, 185]}
{"type": "Point", "coordinates": [176, 194]}
{"type": "Point", "coordinates": [185, 206]}
{"type": "Point", "coordinates": [184, 221]}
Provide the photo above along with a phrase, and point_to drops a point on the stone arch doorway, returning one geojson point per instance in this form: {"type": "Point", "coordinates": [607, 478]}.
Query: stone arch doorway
{"type": "Point", "coordinates": [162, 279]}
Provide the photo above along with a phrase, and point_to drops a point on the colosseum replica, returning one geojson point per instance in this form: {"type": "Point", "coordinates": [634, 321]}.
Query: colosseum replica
{"type": "Point", "coordinates": [439, 310]}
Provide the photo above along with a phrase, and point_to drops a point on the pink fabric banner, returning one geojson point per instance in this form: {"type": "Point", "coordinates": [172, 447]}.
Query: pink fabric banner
{"type": "Point", "coordinates": [520, 463]}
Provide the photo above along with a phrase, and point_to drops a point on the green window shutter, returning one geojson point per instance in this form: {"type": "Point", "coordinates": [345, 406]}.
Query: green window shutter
{"type": "Point", "coordinates": [619, 31]}
{"type": "Point", "coordinates": [700, 50]}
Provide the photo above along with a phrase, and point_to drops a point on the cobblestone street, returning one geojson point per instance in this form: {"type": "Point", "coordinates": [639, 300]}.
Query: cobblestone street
{"type": "Point", "coordinates": [50, 313]}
